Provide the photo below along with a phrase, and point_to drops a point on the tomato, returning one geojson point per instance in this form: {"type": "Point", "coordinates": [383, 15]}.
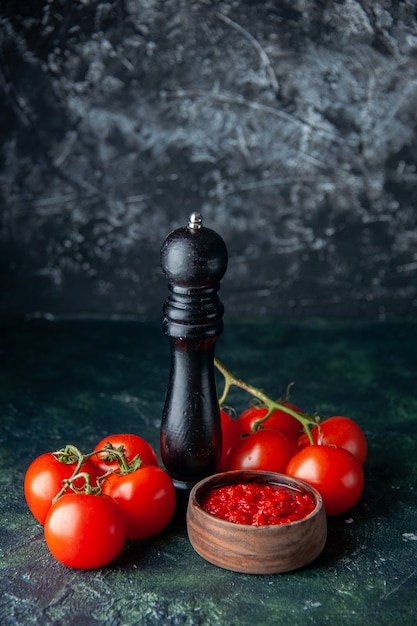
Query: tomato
{"type": "Point", "coordinates": [147, 498]}
{"type": "Point", "coordinates": [339, 431]}
{"type": "Point", "coordinates": [132, 445]}
{"type": "Point", "coordinates": [85, 531]}
{"type": "Point", "coordinates": [230, 435]}
{"type": "Point", "coordinates": [263, 450]}
{"type": "Point", "coordinates": [333, 471]}
{"type": "Point", "coordinates": [44, 479]}
{"type": "Point", "coordinates": [278, 420]}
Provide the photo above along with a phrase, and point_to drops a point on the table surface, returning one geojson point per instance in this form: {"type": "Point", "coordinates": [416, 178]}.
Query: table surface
{"type": "Point", "coordinates": [77, 381]}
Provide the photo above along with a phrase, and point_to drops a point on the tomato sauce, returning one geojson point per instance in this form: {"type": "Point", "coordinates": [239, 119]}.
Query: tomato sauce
{"type": "Point", "coordinates": [258, 504]}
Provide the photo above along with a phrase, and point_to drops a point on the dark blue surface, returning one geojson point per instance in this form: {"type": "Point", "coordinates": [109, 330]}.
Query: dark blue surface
{"type": "Point", "coordinates": [75, 382]}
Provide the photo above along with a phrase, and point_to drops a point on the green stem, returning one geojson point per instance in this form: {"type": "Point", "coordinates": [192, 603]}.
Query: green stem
{"type": "Point", "coordinates": [119, 456]}
{"type": "Point", "coordinates": [88, 489]}
{"type": "Point", "coordinates": [71, 454]}
{"type": "Point", "coordinates": [229, 380]}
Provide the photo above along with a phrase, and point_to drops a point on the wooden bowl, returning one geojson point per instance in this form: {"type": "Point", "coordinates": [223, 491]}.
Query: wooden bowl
{"type": "Point", "coordinates": [268, 549]}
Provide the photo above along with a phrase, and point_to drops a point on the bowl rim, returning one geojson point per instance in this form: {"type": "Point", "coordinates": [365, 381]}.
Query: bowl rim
{"type": "Point", "coordinates": [257, 477]}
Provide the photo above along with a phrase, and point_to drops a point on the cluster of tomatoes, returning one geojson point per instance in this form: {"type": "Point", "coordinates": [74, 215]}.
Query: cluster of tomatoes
{"type": "Point", "coordinates": [330, 457]}
{"type": "Point", "coordinates": [90, 504]}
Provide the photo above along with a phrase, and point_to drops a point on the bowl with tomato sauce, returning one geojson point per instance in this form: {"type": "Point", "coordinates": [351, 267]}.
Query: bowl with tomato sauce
{"type": "Point", "coordinates": [256, 522]}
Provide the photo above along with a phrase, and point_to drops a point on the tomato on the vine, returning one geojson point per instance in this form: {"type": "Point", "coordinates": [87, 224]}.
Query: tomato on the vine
{"type": "Point", "coordinates": [264, 449]}
{"type": "Point", "coordinates": [146, 497]}
{"type": "Point", "coordinates": [278, 420]}
{"type": "Point", "coordinates": [333, 471]}
{"type": "Point", "coordinates": [230, 434]}
{"type": "Point", "coordinates": [44, 480]}
{"type": "Point", "coordinates": [339, 431]}
{"type": "Point", "coordinates": [132, 445]}
{"type": "Point", "coordinates": [85, 531]}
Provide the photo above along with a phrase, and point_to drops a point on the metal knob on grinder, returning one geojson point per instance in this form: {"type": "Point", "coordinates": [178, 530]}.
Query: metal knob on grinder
{"type": "Point", "coordinates": [194, 260]}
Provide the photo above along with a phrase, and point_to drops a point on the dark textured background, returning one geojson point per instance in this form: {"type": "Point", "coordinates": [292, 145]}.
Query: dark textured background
{"type": "Point", "coordinates": [290, 125]}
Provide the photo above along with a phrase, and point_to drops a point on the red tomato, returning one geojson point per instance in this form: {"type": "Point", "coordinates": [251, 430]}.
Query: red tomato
{"type": "Point", "coordinates": [278, 420]}
{"type": "Point", "coordinates": [339, 431]}
{"type": "Point", "coordinates": [85, 531]}
{"type": "Point", "coordinates": [147, 498]}
{"type": "Point", "coordinates": [230, 435]}
{"type": "Point", "coordinates": [333, 471]}
{"type": "Point", "coordinates": [263, 450]}
{"type": "Point", "coordinates": [44, 479]}
{"type": "Point", "coordinates": [132, 445]}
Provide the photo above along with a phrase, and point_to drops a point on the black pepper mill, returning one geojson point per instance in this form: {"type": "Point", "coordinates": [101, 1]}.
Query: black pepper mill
{"type": "Point", "coordinates": [194, 260]}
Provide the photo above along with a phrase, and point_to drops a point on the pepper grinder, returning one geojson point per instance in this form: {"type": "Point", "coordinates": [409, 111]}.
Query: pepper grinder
{"type": "Point", "coordinates": [194, 260]}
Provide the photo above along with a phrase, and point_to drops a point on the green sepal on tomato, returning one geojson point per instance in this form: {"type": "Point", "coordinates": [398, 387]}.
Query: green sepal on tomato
{"type": "Point", "coordinates": [130, 444]}
{"type": "Point", "coordinates": [85, 531]}
{"type": "Point", "coordinates": [44, 479]}
{"type": "Point", "coordinates": [339, 431]}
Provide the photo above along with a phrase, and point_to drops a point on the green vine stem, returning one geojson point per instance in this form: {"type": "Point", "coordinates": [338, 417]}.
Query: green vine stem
{"type": "Point", "coordinates": [70, 484]}
{"type": "Point", "coordinates": [71, 454]}
{"type": "Point", "coordinates": [117, 454]}
{"type": "Point", "coordinates": [229, 380]}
